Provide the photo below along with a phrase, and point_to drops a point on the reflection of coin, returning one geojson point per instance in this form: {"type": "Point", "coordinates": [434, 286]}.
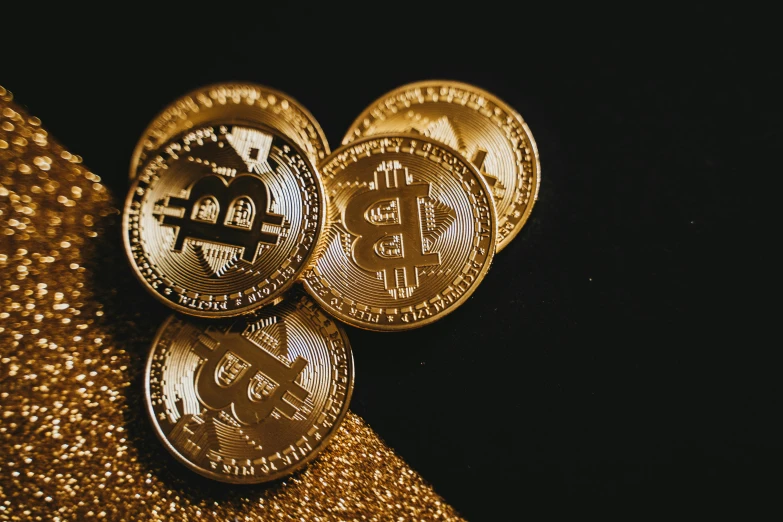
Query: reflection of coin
{"type": "Point", "coordinates": [223, 219]}
{"type": "Point", "coordinates": [233, 103]}
{"type": "Point", "coordinates": [480, 126]}
{"type": "Point", "coordinates": [413, 232]}
{"type": "Point", "coordinates": [252, 401]}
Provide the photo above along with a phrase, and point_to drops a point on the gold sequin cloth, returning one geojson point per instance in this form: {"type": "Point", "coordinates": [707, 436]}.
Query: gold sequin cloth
{"type": "Point", "coordinates": [75, 443]}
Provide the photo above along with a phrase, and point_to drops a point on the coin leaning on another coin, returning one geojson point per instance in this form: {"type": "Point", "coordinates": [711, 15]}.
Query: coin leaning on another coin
{"type": "Point", "coordinates": [253, 400]}
{"type": "Point", "coordinates": [223, 219]}
{"type": "Point", "coordinates": [233, 103]}
{"type": "Point", "coordinates": [412, 232]}
{"type": "Point", "coordinates": [483, 128]}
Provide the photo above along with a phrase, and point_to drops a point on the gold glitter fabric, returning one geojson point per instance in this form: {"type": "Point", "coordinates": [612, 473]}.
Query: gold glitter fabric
{"type": "Point", "coordinates": [75, 443]}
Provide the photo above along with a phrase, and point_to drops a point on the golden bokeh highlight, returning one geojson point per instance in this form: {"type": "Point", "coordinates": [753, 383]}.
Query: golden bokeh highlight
{"type": "Point", "coordinates": [74, 441]}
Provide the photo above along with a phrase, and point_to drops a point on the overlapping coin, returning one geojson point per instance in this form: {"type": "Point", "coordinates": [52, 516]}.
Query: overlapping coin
{"type": "Point", "coordinates": [483, 128]}
{"type": "Point", "coordinates": [229, 104]}
{"type": "Point", "coordinates": [392, 231]}
{"type": "Point", "coordinates": [413, 232]}
{"type": "Point", "coordinates": [253, 400]}
{"type": "Point", "coordinates": [222, 219]}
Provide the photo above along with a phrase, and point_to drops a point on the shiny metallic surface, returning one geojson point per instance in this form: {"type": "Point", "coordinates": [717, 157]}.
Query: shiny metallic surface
{"type": "Point", "coordinates": [223, 219]}
{"type": "Point", "coordinates": [233, 103]}
{"type": "Point", "coordinates": [75, 443]}
{"type": "Point", "coordinates": [412, 232]}
{"type": "Point", "coordinates": [253, 400]}
{"type": "Point", "coordinates": [483, 128]}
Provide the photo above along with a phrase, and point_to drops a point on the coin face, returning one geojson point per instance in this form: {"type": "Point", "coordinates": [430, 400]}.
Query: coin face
{"type": "Point", "coordinates": [223, 220]}
{"type": "Point", "coordinates": [412, 233]}
{"type": "Point", "coordinates": [233, 103]}
{"type": "Point", "coordinates": [483, 128]}
{"type": "Point", "coordinates": [254, 400]}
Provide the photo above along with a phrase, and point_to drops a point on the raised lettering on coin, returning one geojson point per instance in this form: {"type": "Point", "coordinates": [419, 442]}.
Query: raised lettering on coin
{"type": "Point", "coordinates": [223, 220]}
{"type": "Point", "coordinates": [254, 400]}
{"type": "Point", "coordinates": [239, 373]}
{"type": "Point", "coordinates": [231, 102]}
{"type": "Point", "coordinates": [413, 232]}
{"type": "Point", "coordinates": [388, 226]}
{"type": "Point", "coordinates": [233, 212]}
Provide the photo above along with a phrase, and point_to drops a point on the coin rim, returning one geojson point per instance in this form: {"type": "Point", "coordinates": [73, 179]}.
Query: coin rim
{"type": "Point", "coordinates": [400, 326]}
{"type": "Point", "coordinates": [136, 155]}
{"type": "Point", "coordinates": [491, 97]}
{"type": "Point", "coordinates": [273, 297]}
{"type": "Point", "coordinates": [322, 444]}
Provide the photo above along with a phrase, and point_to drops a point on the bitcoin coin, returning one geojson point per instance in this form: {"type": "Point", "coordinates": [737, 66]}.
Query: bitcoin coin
{"type": "Point", "coordinates": [412, 232]}
{"type": "Point", "coordinates": [482, 127]}
{"type": "Point", "coordinates": [253, 400]}
{"type": "Point", "coordinates": [233, 103]}
{"type": "Point", "coordinates": [223, 219]}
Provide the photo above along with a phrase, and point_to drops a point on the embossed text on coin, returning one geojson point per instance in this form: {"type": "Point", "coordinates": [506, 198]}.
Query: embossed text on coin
{"type": "Point", "coordinates": [223, 219]}
{"type": "Point", "coordinates": [233, 103]}
{"type": "Point", "coordinates": [254, 400]}
{"type": "Point", "coordinates": [413, 232]}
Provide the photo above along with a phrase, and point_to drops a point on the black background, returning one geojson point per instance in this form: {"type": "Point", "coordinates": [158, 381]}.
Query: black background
{"type": "Point", "coordinates": [615, 351]}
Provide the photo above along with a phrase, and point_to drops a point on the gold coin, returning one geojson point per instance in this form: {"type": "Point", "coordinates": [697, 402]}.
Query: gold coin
{"type": "Point", "coordinates": [488, 132]}
{"type": "Point", "coordinates": [223, 219]}
{"type": "Point", "coordinates": [413, 232]}
{"type": "Point", "coordinates": [254, 400]}
{"type": "Point", "coordinates": [233, 103]}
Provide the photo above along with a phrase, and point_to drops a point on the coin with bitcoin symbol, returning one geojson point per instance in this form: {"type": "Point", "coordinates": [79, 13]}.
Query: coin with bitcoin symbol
{"type": "Point", "coordinates": [486, 130]}
{"type": "Point", "coordinates": [223, 219]}
{"type": "Point", "coordinates": [233, 104]}
{"type": "Point", "coordinates": [254, 399]}
{"type": "Point", "coordinates": [412, 232]}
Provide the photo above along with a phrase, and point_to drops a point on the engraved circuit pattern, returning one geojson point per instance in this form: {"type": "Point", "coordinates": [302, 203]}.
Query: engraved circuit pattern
{"type": "Point", "coordinates": [230, 102]}
{"type": "Point", "coordinates": [223, 219]}
{"type": "Point", "coordinates": [70, 438]}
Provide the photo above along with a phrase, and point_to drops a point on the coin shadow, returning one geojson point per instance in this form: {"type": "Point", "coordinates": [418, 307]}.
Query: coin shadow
{"type": "Point", "coordinates": [131, 317]}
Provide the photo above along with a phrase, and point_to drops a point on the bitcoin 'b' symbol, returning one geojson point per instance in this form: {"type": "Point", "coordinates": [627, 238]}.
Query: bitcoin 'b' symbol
{"type": "Point", "coordinates": [234, 213]}
{"type": "Point", "coordinates": [237, 372]}
{"type": "Point", "coordinates": [388, 224]}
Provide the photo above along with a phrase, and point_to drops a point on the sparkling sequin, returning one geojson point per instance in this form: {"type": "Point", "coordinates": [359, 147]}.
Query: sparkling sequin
{"type": "Point", "coordinates": [74, 443]}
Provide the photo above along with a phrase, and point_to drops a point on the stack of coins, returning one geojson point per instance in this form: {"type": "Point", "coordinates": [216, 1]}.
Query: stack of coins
{"type": "Point", "coordinates": [235, 197]}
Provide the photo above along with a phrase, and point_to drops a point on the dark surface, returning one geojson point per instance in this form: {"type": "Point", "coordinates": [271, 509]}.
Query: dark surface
{"type": "Point", "coordinates": [615, 351]}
